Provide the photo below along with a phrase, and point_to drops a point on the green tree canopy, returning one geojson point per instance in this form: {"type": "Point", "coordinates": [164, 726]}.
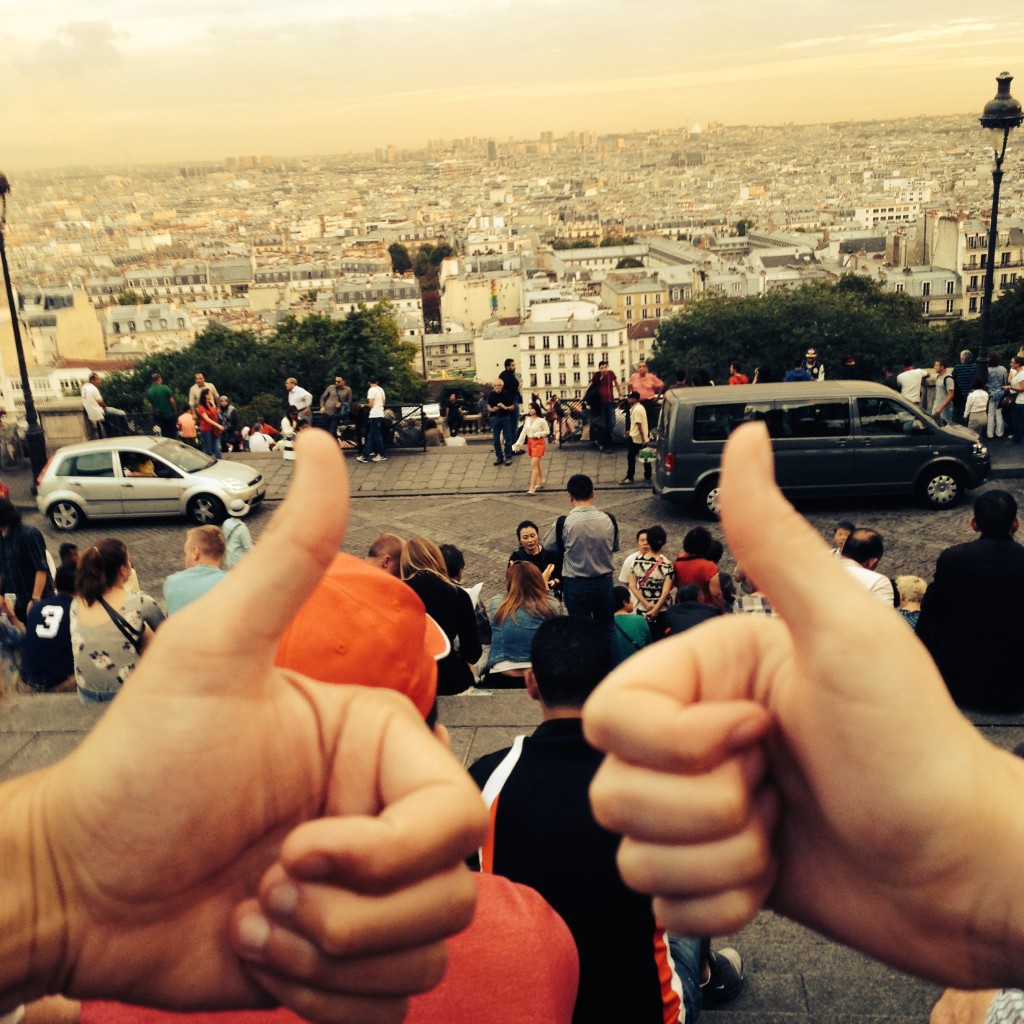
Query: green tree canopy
{"type": "Point", "coordinates": [852, 317]}
{"type": "Point", "coordinates": [243, 365]}
{"type": "Point", "coordinates": [401, 261]}
{"type": "Point", "coordinates": [628, 263]}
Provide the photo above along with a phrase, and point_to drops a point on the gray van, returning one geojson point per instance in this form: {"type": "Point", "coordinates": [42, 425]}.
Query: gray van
{"type": "Point", "coordinates": [830, 438]}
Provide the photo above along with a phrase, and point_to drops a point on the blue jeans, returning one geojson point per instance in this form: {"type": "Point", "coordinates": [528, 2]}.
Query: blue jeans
{"type": "Point", "coordinates": [374, 439]}
{"type": "Point", "coordinates": [592, 599]}
{"type": "Point", "coordinates": [210, 441]}
{"type": "Point", "coordinates": [502, 425]}
{"type": "Point", "coordinates": [685, 955]}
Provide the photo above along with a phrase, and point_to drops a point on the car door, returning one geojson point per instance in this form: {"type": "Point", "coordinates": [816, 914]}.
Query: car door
{"type": "Point", "coordinates": [894, 442]}
{"type": "Point", "coordinates": [149, 486]}
{"type": "Point", "coordinates": [813, 444]}
{"type": "Point", "coordinates": [92, 478]}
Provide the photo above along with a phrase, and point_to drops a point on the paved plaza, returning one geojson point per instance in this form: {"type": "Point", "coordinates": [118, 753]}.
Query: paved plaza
{"type": "Point", "coordinates": [456, 495]}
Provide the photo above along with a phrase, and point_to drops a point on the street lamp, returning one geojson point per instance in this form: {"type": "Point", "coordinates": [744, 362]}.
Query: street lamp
{"type": "Point", "coordinates": [34, 437]}
{"type": "Point", "coordinates": [1000, 116]}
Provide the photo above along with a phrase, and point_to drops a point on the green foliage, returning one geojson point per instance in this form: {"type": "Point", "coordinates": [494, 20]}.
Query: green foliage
{"type": "Point", "coordinates": [628, 263]}
{"type": "Point", "coordinates": [611, 240]}
{"type": "Point", "coordinates": [130, 297]}
{"type": "Point", "coordinates": [401, 261]}
{"type": "Point", "coordinates": [1006, 323]}
{"type": "Point", "coordinates": [743, 226]}
{"type": "Point", "coordinates": [251, 368]}
{"type": "Point", "coordinates": [854, 316]}
{"type": "Point", "coordinates": [572, 243]}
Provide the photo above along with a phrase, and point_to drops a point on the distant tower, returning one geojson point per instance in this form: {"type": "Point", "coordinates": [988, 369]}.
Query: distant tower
{"type": "Point", "coordinates": [492, 150]}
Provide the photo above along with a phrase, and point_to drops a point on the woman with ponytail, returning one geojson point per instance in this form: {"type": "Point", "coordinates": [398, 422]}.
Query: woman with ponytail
{"type": "Point", "coordinates": [110, 627]}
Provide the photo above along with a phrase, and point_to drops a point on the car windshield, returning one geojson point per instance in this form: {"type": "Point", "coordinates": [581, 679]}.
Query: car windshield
{"type": "Point", "coordinates": [187, 459]}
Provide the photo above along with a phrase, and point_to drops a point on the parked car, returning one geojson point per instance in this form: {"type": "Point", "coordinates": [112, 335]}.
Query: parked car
{"type": "Point", "coordinates": [143, 476]}
{"type": "Point", "coordinates": [837, 438]}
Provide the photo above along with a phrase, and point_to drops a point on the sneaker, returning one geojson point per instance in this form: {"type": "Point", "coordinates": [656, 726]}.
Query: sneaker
{"type": "Point", "coordinates": [499, 462]}
{"type": "Point", "coordinates": [626, 481]}
{"type": "Point", "coordinates": [379, 458]}
{"type": "Point", "coordinates": [362, 458]}
{"type": "Point", "coordinates": [726, 980]}
{"type": "Point", "coordinates": [508, 462]}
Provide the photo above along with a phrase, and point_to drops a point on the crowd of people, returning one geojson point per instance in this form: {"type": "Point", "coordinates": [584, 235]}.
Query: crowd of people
{"type": "Point", "coordinates": [313, 858]}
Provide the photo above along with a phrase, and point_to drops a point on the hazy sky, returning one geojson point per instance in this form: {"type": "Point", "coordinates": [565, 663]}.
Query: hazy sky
{"type": "Point", "coordinates": [108, 81]}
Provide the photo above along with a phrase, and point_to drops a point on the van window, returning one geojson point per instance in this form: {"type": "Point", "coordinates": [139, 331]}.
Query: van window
{"type": "Point", "coordinates": [716, 422]}
{"type": "Point", "coordinates": [814, 419]}
{"type": "Point", "coordinates": [881, 416]}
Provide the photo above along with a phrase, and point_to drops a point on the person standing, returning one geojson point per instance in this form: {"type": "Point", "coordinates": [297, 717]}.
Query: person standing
{"type": "Point", "coordinates": [812, 366]}
{"type": "Point", "coordinates": [910, 381]}
{"type": "Point", "coordinates": [736, 374]}
{"type": "Point", "coordinates": [996, 378]}
{"type": "Point", "coordinates": [609, 393]}
{"type": "Point", "coordinates": [499, 407]}
{"type": "Point", "coordinates": [163, 406]}
{"type": "Point", "coordinates": [227, 414]}
{"type": "Point", "coordinates": [975, 411]}
{"type": "Point", "coordinates": [300, 399]}
{"type": "Point", "coordinates": [335, 403]}
{"type": "Point", "coordinates": [963, 382]}
{"type": "Point", "coordinates": [979, 581]}
{"type": "Point", "coordinates": [1015, 387]}
{"type": "Point", "coordinates": [586, 539]}
{"type": "Point", "coordinates": [513, 390]}
{"type": "Point", "coordinates": [375, 398]}
{"type": "Point", "coordinates": [945, 391]}
{"type": "Point", "coordinates": [534, 438]}
{"type": "Point", "coordinates": [24, 570]}
{"type": "Point", "coordinates": [208, 415]}
{"type": "Point", "coordinates": [648, 387]}
{"type": "Point", "coordinates": [197, 389]}
{"type": "Point", "coordinates": [187, 428]}
{"type": "Point", "coordinates": [95, 407]}
{"type": "Point", "coordinates": [638, 437]}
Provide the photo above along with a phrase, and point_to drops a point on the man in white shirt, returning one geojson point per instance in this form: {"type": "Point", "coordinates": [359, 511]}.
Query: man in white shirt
{"type": "Point", "coordinates": [95, 407]}
{"type": "Point", "coordinates": [374, 438]}
{"type": "Point", "coordinates": [300, 399]}
{"type": "Point", "coordinates": [862, 551]}
{"type": "Point", "coordinates": [197, 389]}
{"type": "Point", "coordinates": [910, 381]}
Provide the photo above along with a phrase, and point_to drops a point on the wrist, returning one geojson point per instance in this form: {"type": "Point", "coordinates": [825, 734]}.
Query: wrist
{"type": "Point", "coordinates": [33, 921]}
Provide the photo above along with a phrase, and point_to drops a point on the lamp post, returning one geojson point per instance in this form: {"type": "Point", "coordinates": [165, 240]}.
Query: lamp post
{"type": "Point", "coordinates": [1000, 116]}
{"type": "Point", "coordinates": [35, 439]}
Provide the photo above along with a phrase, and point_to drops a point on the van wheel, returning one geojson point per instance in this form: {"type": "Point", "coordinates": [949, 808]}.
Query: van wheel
{"type": "Point", "coordinates": [942, 488]}
{"type": "Point", "coordinates": [706, 498]}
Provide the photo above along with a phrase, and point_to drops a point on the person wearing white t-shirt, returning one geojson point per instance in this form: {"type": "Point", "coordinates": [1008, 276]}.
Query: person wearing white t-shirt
{"type": "Point", "coordinates": [300, 399]}
{"type": "Point", "coordinates": [375, 421]}
{"type": "Point", "coordinates": [910, 381]}
{"type": "Point", "coordinates": [95, 407]}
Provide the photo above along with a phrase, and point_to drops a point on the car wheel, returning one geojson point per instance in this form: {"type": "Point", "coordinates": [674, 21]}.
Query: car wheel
{"type": "Point", "coordinates": [942, 487]}
{"type": "Point", "coordinates": [206, 510]}
{"type": "Point", "coordinates": [65, 516]}
{"type": "Point", "coordinates": [706, 498]}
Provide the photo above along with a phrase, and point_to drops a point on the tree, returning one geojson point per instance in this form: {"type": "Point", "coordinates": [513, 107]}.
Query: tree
{"type": "Point", "coordinates": [628, 263]}
{"type": "Point", "coordinates": [441, 252]}
{"type": "Point", "coordinates": [611, 240]}
{"type": "Point", "coordinates": [422, 263]}
{"type": "Point", "coordinates": [743, 226]}
{"type": "Point", "coordinates": [401, 261]}
{"type": "Point", "coordinates": [130, 297]}
{"type": "Point", "coordinates": [852, 317]}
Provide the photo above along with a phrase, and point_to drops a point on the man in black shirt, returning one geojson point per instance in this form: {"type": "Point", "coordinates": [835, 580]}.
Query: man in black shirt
{"type": "Point", "coordinates": [23, 568]}
{"type": "Point", "coordinates": [47, 661]}
{"type": "Point", "coordinates": [513, 389]}
{"type": "Point", "coordinates": [543, 834]}
{"type": "Point", "coordinates": [500, 410]}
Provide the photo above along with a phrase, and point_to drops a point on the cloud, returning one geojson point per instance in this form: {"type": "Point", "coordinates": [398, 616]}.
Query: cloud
{"type": "Point", "coordinates": [76, 49]}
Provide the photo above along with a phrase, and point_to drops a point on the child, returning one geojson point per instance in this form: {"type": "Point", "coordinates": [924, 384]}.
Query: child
{"type": "Point", "coordinates": [632, 632]}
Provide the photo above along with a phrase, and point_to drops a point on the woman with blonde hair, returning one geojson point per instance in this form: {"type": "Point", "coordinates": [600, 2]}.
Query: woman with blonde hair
{"type": "Point", "coordinates": [422, 567]}
{"type": "Point", "coordinates": [110, 627]}
{"type": "Point", "coordinates": [911, 590]}
{"type": "Point", "coordinates": [514, 620]}
{"type": "Point", "coordinates": [534, 437]}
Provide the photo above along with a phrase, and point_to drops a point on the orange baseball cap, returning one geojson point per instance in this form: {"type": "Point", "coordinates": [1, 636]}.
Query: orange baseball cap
{"type": "Point", "coordinates": [362, 626]}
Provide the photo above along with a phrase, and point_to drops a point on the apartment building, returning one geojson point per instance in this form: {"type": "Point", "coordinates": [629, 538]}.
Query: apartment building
{"type": "Point", "coordinates": [632, 297]}
{"type": "Point", "coordinates": [471, 299]}
{"type": "Point", "coordinates": [156, 327]}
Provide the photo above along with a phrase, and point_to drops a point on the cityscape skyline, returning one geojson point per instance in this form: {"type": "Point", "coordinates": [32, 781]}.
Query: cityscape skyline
{"type": "Point", "coordinates": [136, 84]}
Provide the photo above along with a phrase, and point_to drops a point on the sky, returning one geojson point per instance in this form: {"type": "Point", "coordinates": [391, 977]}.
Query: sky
{"type": "Point", "coordinates": [116, 81]}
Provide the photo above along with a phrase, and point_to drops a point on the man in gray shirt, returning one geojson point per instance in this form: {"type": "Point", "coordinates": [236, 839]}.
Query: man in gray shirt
{"type": "Point", "coordinates": [585, 539]}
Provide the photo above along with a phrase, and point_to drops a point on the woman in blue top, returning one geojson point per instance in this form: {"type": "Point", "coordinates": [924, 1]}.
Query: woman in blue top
{"type": "Point", "coordinates": [514, 620]}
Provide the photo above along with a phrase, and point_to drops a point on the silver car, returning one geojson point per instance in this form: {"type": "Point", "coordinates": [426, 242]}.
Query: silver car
{"type": "Point", "coordinates": [143, 476]}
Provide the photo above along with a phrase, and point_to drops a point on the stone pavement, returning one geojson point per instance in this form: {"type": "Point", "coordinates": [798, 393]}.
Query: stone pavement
{"type": "Point", "coordinates": [454, 494]}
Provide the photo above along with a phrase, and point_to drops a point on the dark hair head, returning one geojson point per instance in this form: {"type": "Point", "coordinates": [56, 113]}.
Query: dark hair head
{"type": "Point", "coordinates": [155, 377]}
{"type": "Point", "coordinates": [66, 550]}
{"type": "Point", "coordinates": [374, 379]}
{"type": "Point", "coordinates": [580, 487]}
{"type": "Point", "coordinates": [508, 363]}
{"type": "Point", "coordinates": [980, 381]}
{"type": "Point", "coordinates": [697, 541]}
{"type": "Point", "coordinates": [523, 525]}
{"type": "Point", "coordinates": [863, 545]}
{"type": "Point", "coordinates": [454, 560]}
{"type": "Point", "coordinates": [205, 397]}
{"type": "Point", "coordinates": [634, 396]}
{"type": "Point", "coordinates": [622, 596]}
{"type": "Point", "coordinates": [845, 524]}
{"type": "Point", "coordinates": [64, 579]}
{"type": "Point", "coordinates": [994, 359]}
{"type": "Point", "coordinates": [680, 376]}
{"type": "Point", "coordinates": [736, 365]}
{"type": "Point", "coordinates": [570, 656]}
{"type": "Point", "coordinates": [656, 537]}
{"type": "Point", "coordinates": [688, 592]}
{"type": "Point", "coordinates": [9, 514]}
{"type": "Point", "coordinates": [715, 551]}
{"type": "Point", "coordinates": [99, 568]}
{"type": "Point", "coordinates": [994, 512]}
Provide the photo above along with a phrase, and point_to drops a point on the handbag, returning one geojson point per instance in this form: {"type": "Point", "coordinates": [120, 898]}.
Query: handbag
{"type": "Point", "coordinates": [127, 630]}
{"type": "Point", "coordinates": [1007, 401]}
